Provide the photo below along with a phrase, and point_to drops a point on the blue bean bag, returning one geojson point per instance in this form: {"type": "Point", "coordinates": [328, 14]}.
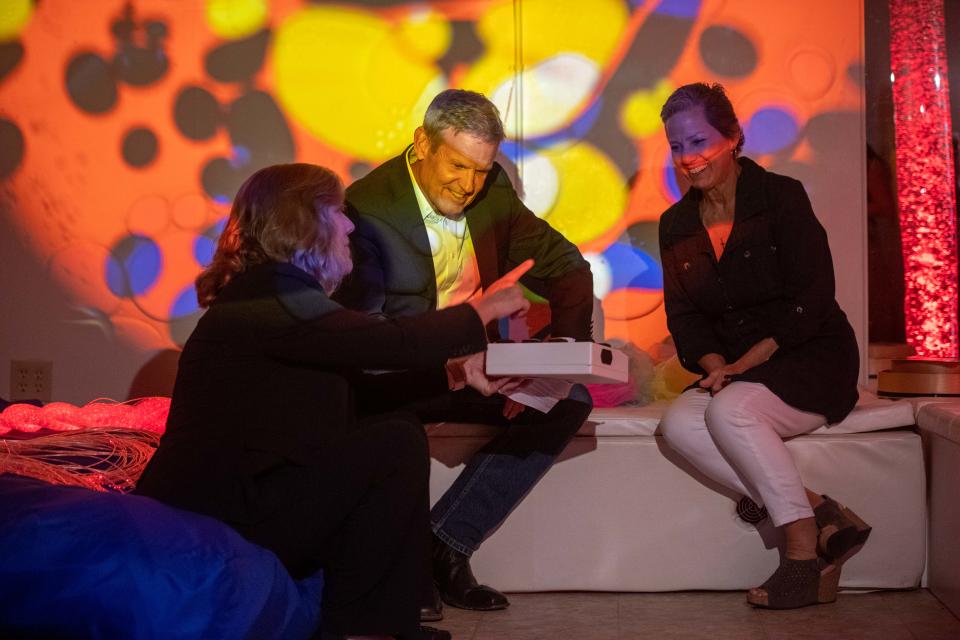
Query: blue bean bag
{"type": "Point", "coordinates": [76, 563]}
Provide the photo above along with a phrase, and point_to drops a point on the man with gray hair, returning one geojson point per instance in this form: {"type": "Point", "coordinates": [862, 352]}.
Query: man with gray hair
{"type": "Point", "coordinates": [434, 227]}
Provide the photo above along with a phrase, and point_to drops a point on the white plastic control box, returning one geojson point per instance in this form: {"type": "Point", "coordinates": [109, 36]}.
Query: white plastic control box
{"type": "Point", "coordinates": [585, 362]}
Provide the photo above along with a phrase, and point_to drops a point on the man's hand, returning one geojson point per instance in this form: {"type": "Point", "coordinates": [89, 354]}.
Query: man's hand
{"type": "Point", "coordinates": [503, 298]}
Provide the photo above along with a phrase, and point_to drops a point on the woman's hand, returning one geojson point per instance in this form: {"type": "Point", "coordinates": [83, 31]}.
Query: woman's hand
{"type": "Point", "coordinates": [503, 298]}
{"type": "Point", "coordinates": [718, 372]}
{"type": "Point", "coordinates": [712, 361]}
{"type": "Point", "coordinates": [512, 408]}
{"type": "Point", "coordinates": [713, 364]}
{"type": "Point", "coordinates": [471, 371]}
{"type": "Point", "coordinates": [719, 378]}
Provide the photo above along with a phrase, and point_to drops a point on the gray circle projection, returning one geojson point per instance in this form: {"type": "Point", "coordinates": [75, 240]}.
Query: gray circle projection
{"type": "Point", "coordinates": [259, 136]}
{"type": "Point", "coordinates": [237, 60]}
{"type": "Point", "coordinates": [645, 236]}
{"type": "Point", "coordinates": [139, 147]}
{"type": "Point", "coordinates": [855, 73]}
{"type": "Point", "coordinates": [221, 180]}
{"type": "Point", "coordinates": [727, 52]}
{"type": "Point", "coordinates": [10, 55]}
{"type": "Point", "coordinates": [196, 113]}
{"type": "Point", "coordinates": [11, 147]}
{"type": "Point", "coordinates": [257, 126]}
{"type": "Point", "coordinates": [180, 328]}
{"type": "Point", "coordinates": [359, 169]}
{"type": "Point", "coordinates": [139, 61]}
{"type": "Point", "coordinates": [90, 83]}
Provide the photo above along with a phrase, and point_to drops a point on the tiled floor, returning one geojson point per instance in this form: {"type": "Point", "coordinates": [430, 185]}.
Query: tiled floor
{"type": "Point", "coordinates": [889, 615]}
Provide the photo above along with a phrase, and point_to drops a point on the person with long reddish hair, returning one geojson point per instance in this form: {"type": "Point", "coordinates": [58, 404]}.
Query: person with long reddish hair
{"type": "Point", "coordinates": [274, 427]}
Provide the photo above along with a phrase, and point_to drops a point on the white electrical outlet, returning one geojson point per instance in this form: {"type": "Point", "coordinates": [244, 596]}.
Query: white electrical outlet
{"type": "Point", "coordinates": [31, 380]}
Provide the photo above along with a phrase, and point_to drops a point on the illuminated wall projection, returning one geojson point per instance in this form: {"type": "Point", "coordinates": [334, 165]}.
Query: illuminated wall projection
{"type": "Point", "coordinates": [126, 127]}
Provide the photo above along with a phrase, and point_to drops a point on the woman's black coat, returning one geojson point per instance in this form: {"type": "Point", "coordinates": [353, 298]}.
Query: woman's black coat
{"type": "Point", "coordinates": [273, 371]}
{"type": "Point", "coordinates": [774, 280]}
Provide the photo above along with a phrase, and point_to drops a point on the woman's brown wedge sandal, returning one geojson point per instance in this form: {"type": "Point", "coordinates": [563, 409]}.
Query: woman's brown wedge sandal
{"type": "Point", "coordinates": [842, 532]}
{"type": "Point", "coordinates": [798, 583]}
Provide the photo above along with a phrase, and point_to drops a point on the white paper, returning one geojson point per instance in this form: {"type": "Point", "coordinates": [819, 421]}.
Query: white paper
{"type": "Point", "coordinates": [541, 393]}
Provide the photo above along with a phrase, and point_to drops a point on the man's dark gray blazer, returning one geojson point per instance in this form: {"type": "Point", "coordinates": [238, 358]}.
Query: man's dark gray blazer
{"type": "Point", "coordinates": [393, 267]}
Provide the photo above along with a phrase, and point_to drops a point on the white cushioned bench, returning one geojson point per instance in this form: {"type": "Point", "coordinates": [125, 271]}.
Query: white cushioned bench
{"type": "Point", "coordinates": [939, 423]}
{"type": "Point", "coordinates": [621, 512]}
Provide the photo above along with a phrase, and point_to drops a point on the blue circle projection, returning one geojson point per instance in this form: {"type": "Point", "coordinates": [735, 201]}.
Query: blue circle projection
{"type": "Point", "coordinates": [675, 8]}
{"type": "Point", "coordinates": [770, 130]}
{"type": "Point", "coordinates": [185, 304]}
{"type": "Point", "coordinates": [133, 265]}
{"type": "Point", "coordinates": [632, 268]}
{"type": "Point", "coordinates": [206, 244]}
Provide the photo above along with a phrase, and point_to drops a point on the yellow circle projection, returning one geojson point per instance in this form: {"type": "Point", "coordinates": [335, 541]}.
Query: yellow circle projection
{"type": "Point", "coordinates": [591, 29]}
{"type": "Point", "coordinates": [366, 104]}
{"type": "Point", "coordinates": [640, 114]}
{"type": "Point", "coordinates": [236, 18]}
{"type": "Point", "coordinates": [592, 192]}
{"type": "Point", "coordinates": [425, 33]}
{"type": "Point", "coordinates": [14, 16]}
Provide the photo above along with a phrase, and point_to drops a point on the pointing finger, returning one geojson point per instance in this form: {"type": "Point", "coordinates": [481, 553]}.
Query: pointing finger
{"type": "Point", "coordinates": [514, 275]}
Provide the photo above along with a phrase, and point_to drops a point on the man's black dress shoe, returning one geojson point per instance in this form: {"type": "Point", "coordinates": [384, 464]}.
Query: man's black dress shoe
{"type": "Point", "coordinates": [456, 584]}
{"type": "Point", "coordinates": [432, 611]}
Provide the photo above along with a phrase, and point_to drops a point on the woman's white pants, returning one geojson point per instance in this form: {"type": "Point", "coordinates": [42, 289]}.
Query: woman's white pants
{"type": "Point", "coordinates": [736, 439]}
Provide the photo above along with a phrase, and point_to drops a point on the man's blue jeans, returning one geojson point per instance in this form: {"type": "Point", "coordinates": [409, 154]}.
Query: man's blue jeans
{"type": "Point", "coordinates": [498, 476]}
